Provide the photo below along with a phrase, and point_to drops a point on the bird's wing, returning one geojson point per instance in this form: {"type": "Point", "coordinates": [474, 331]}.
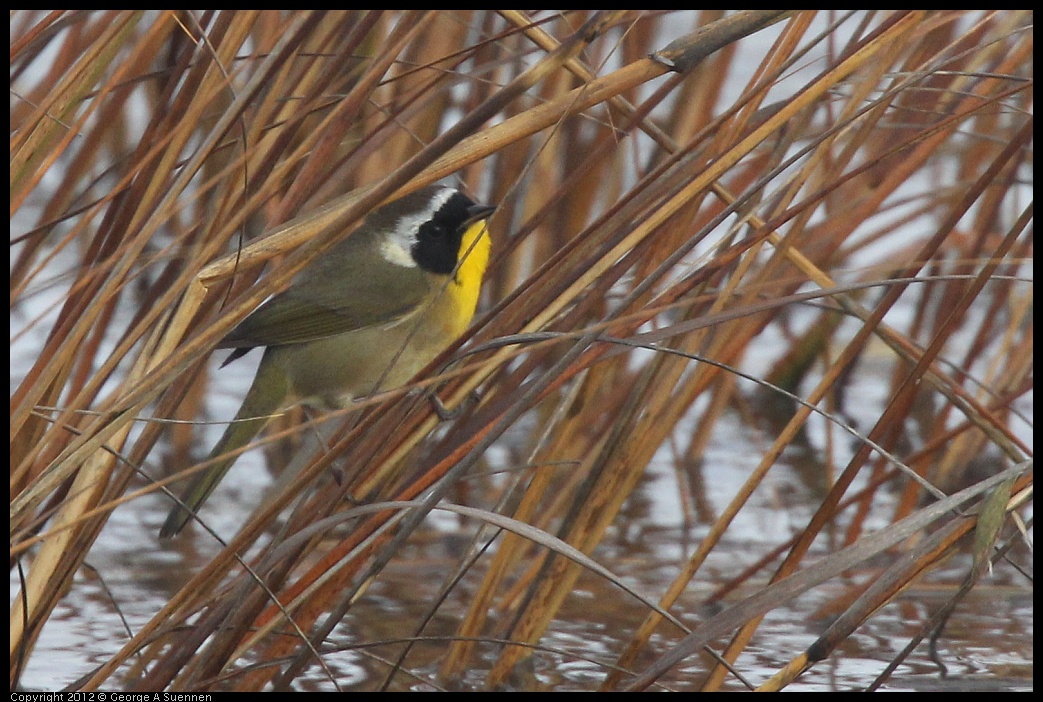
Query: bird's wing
{"type": "Point", "coordinates": [324, 301]}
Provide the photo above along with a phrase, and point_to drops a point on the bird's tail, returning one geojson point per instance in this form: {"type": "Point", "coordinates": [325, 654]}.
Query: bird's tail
{"type": "Point", "coordinates": [266, 396]}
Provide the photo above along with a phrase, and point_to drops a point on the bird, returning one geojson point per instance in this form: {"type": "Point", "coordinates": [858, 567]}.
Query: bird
{"type": "Point", "coordinates": [364, 317]}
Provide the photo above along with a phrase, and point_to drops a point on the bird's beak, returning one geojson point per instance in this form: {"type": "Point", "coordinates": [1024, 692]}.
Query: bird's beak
{"type": "Point", "coordinates": [476, 213]}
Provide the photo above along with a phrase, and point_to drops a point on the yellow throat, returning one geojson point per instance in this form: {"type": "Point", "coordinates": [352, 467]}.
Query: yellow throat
{"type": "Point", "coordinates": [467, 284]}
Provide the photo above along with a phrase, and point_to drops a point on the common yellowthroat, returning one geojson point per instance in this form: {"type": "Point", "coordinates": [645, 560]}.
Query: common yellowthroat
{"type": "Point", "coordinates": [365, 317]}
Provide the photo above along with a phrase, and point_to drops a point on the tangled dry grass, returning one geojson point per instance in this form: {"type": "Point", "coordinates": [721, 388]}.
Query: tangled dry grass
{"type": "Point", "coordinates": [670, 182]}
